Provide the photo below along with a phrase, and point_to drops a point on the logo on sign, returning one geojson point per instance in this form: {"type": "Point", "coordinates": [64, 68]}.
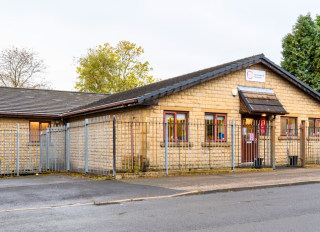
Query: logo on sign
{"type": "Point", "coordinates": [255, 75]}
{"type": "Point", "coordinates": [249, 74]}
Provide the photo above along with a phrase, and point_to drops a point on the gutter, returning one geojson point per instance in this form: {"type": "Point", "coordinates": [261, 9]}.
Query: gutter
{"type": "Point", "coordinates": [20, 115]}
{"type": "Point", "coordinates": [100, 108]}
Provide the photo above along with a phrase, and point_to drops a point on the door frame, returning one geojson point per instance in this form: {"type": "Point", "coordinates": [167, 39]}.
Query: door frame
{"type": "Point", "coordinates": [256, 150]}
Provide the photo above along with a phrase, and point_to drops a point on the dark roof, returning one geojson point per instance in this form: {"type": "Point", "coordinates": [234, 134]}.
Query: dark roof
{"type": "Point", "coordinates": [40, 102]}
{"type": "Point", "coordinates": [155, 90]}
{"type": "Point", "coordinates": [259, 100]}
{"type": "Point", "coordinates": [16, 101]}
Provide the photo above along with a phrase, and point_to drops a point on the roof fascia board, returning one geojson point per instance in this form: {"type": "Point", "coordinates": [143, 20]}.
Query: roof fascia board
{"type": "Point", "coordinates": [292, 79]}
{"type": "Point", "coordinates": [245, 102]}
{"type": "Point", "coordinates": [23, 115]}
{"type": "Point", "coordinates": [201, 78]}
{"type": "Point", "coordinates": [117, 107]}
{"type": "Point", "coordinates": [102, 107]}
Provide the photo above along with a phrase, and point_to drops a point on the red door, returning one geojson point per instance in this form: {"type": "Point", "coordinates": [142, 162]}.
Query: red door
{"type": "Point", "coordinates": [249, 139]}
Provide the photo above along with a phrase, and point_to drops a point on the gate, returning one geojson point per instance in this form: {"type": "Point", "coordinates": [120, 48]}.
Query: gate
{"type": "Point", "coordinates": [255, 142]}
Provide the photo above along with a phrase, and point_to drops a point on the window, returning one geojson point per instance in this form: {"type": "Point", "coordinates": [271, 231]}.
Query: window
{"type": "Point", "coordinates": [289, 126]}
{"type": "Point", "coordinates": [35, 129]}
{"type": "Point", "coordinates": [177, 125]}
{"type": "Point", "coordinates": [215, 127]}
{"type": "Point", "coordinates": [314, 127]}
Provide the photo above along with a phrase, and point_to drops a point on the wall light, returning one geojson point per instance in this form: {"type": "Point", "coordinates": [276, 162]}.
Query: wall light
{"type": "Point", "coordinates": [234, 92]}
{"type": "Point", "coordinates": [263, 115]}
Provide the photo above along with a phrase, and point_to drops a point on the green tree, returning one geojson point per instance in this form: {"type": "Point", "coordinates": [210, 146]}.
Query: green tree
{"type": "Point", "coordinates": [301, 50]}
{"type": "Point", "coordinates": [108, 69]}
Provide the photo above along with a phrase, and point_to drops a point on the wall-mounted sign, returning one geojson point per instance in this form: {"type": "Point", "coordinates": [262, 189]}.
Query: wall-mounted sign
{"type": "Point", "coordinates": [255, 75]}
{"type": "Point", "coordinates": [251, 136]}
{"type": "Point", "coordinates": [262, 126]}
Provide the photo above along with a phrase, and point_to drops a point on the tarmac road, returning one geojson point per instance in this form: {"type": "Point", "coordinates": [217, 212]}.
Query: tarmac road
{"type": "Point", "coordinates": [293, 208]}
{"type": "Point", "coordinates": [58, 190]}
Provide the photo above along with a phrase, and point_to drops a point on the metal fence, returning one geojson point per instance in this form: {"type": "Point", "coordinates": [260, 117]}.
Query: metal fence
{"type": "Point", "coordinates": [313, 145]}
{"type": "Point", "coordinates": [53, 149]}
{"type": "Point", "coordinates": [19, 151]}
{"type": "Point", "coordinates": [104, 145]}
{"type": "Point", "coordinates": [156, 145]}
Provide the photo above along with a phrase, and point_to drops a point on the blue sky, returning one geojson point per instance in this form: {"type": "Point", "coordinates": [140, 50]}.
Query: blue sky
{"type": "Point", "coordinates": [178, 36]}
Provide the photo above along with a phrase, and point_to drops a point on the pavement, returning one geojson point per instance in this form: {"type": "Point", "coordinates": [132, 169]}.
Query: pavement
{"type": "Point", "coordinates": [238, 180]}
{"type": "Point", "coordinates": [61, 190]}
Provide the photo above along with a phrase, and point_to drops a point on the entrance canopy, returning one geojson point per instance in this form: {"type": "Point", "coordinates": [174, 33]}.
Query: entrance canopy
{"type": "Point", "coordinates": [257, 101]}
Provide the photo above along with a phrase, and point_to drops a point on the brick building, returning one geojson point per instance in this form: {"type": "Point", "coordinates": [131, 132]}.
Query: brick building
{"type": "Point", "coordinates": [195, 111]}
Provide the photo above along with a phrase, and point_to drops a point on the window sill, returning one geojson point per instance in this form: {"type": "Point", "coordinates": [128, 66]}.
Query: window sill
{"type": "Point", "coordinates": [176, 144]}
{"type": "Point", "coordinates": [315, 138]}
{"type": "Point", "coordinates": [215, 144]}
{"type": "Point", "coordinates": [283, 137]}
{"type": "Point", "coordinates": [33, 144]}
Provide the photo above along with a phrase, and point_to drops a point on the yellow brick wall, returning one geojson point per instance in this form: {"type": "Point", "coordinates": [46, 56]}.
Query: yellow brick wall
{"type": "Point", "coordinates": [29, 152]}
{"type": "Point", "coordinates": [212, 96]}
{"type": "Point", "coordinates": [100, 139]}
{"type": "Point", "coordinates": [216, 96]}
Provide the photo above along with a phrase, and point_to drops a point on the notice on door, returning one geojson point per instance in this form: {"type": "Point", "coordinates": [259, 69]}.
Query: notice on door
{"type": "Point", "coordinates": [255, 75]}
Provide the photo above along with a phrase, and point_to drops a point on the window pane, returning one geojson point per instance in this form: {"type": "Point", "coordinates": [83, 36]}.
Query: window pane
{"type": "Point", "coordinates": [181, 127]}
{"type": "Point", "coordinates": [292, 126]}
{"type": "Point", "coordinates": [221, 127]}
{"type": "Point", "coordinates": [170, 121]}
{"type": "Point", "coordinates": [209, 119]}
{"type": "Point", "coordinates": [34, 131]}
{"type": "Point", "coordinates": [311, 127]}
{"type": "Point", "coordinates": [283, 125]}
{"type": "Point", "coordinates": [181, 116]}
{"type": "Point", "coordinates": [44, 126]}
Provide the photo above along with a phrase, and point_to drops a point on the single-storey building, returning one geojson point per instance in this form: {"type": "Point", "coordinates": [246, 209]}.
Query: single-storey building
{"type": "Point", "coordinates": [251, 108]}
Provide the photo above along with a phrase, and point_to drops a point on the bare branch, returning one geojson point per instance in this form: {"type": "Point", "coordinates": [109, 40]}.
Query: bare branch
{"type": "Point", "coordinates": [21, 68]}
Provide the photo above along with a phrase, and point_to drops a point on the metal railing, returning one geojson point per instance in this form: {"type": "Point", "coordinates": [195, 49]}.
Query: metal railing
{"type": "Point", "coordinates": [103, 145]}
{"type": "Point", "coordinates": [155, 145]}
{"type": "Point", "coordinates": [313, 145]}
{"type": "Point", "coordinates": [19, 151]}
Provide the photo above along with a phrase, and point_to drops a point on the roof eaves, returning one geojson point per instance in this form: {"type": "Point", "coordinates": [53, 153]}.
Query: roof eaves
{"type": "Point", "coordinates": [31, 115]}
{"type": "Point", "coordinates": [292, 77]}
{"type": "Point", "coordinates": [200, 78]}
{"type": "Point", "coordinates": [113, 104]}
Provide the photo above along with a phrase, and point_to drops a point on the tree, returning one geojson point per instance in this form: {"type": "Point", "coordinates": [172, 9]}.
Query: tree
{"type": "Point", "coordinates": [108, 69]}
{"type": "Point", "coordinates": [301, 51]}
{"type": "Point", "coordinates": [21, 68]}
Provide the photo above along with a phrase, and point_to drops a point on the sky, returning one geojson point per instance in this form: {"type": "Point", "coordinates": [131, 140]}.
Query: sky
{"type": "Point", "coordinates": [178, 36]}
